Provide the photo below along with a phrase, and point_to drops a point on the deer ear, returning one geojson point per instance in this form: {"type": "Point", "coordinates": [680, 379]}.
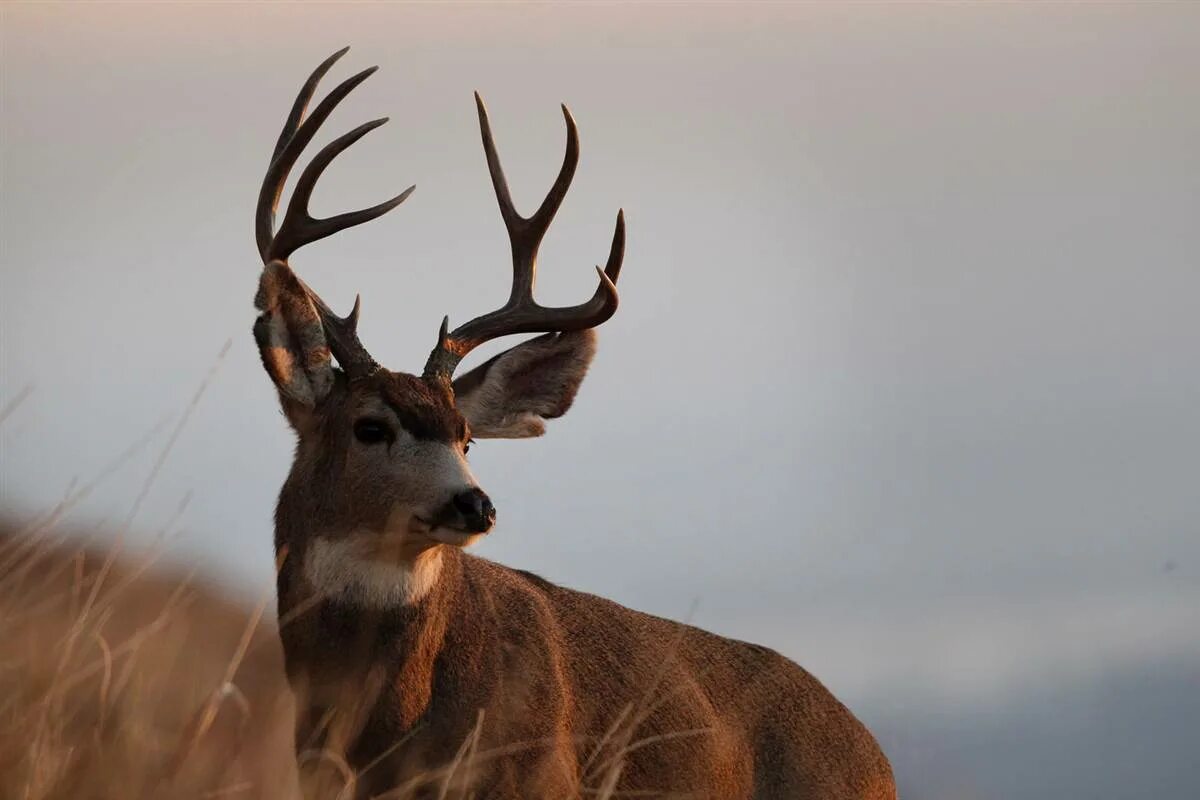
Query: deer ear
{"type": "Point", "coordinates": [512, 395]}
{"type": "Point", "coordinates": [291, 341]}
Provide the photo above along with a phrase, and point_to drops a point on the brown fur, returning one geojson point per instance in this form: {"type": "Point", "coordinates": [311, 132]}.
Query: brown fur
{"type": "Point", "coordinates": [547, 673]}
{"type": "Point", "coordinates": [501, 682]}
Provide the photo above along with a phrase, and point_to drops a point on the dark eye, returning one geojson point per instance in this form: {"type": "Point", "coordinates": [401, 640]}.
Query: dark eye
{"type": "Point", "coordinates": [467, 446]}
{"type": "Point", "coordinates": [373, 431]}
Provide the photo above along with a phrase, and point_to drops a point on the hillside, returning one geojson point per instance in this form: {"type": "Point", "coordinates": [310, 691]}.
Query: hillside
{"type": "Point", "coordinates": [119, 681]}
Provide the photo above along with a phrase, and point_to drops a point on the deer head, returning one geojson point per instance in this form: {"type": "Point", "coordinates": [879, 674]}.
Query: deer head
{"type": "Point", "coordinates": [381, 457]}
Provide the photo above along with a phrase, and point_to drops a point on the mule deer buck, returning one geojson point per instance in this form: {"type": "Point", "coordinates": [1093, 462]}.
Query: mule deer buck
{"type": "Point", "coordinates": [420, 670]}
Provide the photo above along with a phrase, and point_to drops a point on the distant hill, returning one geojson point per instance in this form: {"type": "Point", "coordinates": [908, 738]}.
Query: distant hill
{"type": "Point", "coordinates": [120, 681]}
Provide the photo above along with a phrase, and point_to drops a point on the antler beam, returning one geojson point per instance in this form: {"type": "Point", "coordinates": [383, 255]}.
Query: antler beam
{"type": "Point", "coordinates": [522, 314]}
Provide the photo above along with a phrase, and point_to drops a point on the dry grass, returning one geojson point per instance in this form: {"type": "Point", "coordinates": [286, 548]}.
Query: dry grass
{"type": "Point", "coordinates": [119, 680]}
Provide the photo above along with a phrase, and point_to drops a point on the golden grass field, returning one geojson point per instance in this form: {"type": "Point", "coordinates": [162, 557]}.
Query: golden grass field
{"type": "Point", "coordinates": [120, 680]}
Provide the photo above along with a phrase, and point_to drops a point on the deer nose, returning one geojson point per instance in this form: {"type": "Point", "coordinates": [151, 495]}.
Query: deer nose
{"type": "Point", "coordinates": [476, 509]}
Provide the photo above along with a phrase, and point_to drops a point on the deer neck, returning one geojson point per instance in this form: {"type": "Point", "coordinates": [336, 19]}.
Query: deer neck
{"type": "Point", "coordinates": [373, 572]}
{"type": "Point", "coordinates": [370, 637]}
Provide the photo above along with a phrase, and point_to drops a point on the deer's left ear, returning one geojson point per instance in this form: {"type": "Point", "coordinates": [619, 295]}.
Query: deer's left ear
{"type": "Point", "coordinates": [512, 395]}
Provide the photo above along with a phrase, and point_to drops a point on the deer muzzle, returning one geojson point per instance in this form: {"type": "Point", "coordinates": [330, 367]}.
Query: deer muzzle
{"type": "Point", "coordinates": [470, 510]}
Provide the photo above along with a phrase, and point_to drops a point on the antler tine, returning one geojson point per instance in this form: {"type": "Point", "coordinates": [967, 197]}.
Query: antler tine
{"type": "Point", "coordinates": [302, 100]}
{"type": "Point", "coordinates": [526, 233]}
{"type": "Point", "coordinates": [499, 183]}
{"type": "Point", "coordinates": [341, 334]}
{"type": "Point", "coordinates": [522, 314]}
{"type": "Point", "coordinates": [542, 218]}
{"type": "Point", "coordinates": [298, 134]}
{"type": "Point", "coordinates": [299, 227]}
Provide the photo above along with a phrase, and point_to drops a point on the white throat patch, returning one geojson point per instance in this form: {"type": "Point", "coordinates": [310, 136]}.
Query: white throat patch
{"type": "Point", "coordinates": [348, 567]}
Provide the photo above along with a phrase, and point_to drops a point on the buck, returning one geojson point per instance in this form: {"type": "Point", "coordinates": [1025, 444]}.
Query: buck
{"type": "Point", "coordinates": [421, 671]}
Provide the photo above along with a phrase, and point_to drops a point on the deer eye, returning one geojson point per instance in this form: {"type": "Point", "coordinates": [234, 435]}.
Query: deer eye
{"type": "Point", "coordinates": [373, 431]}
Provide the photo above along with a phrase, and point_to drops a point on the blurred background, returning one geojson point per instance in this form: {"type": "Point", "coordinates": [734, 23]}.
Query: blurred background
{"type": "Point", "coordinates": [903, 384]}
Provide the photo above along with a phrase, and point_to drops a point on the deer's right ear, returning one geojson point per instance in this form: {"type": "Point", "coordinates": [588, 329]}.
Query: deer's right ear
{"type": "Point", "coordinates": [292, 342]}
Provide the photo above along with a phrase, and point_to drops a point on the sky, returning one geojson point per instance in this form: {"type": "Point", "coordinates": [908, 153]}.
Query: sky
{"type": "Point", "coordinates": [903, 382]}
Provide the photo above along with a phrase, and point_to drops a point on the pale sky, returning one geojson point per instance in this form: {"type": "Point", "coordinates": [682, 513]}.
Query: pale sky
{"type": "Point", "coordinates": [904, 378]}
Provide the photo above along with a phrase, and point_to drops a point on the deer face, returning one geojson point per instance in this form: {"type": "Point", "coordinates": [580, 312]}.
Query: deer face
{"type": "Point", "coordinates": [385, 453]}
{"type": "Point", "coordinates": [399, 463]}
{"type": "Point", "coordinates": [382, 455]}
{"type": "Point", "coordinates": [380, 479]}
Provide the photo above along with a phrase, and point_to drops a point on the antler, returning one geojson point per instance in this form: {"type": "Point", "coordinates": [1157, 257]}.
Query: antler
{"type": "Point", "coordinates": [299, 227]}
{"type": "Point", "coordinates": [522, 314]}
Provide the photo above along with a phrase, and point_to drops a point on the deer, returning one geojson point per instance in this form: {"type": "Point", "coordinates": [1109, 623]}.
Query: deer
{"type": "Point", "coordinates": [419, 670]}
